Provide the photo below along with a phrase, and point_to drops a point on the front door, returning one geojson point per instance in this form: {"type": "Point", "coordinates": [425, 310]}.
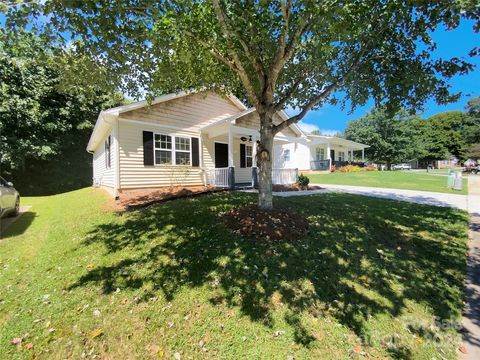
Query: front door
{"type": "Point", "coordinates": [332, 155]}
{"type": "Point", "coordinates": [221, 155]}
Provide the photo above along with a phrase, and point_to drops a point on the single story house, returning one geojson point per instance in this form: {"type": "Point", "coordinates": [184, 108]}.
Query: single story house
{"type": "Point", "coordinates": [198, 138]}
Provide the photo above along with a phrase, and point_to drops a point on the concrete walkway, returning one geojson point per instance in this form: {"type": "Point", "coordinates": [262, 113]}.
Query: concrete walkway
{"type": "Point", "coordinates": [421, 197]}
{"type": "Point", "coordinates": [471, 315]}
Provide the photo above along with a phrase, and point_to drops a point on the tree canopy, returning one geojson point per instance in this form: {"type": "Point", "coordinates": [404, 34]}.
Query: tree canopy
{"type": "Point", "coordinates": [301, 54]}
{"type": "Point", "coordinates": [391, 138]}
{"type": "Point", "coordinates": [41, 112]}
{"type": "Point", "coordinates": [441, 136]}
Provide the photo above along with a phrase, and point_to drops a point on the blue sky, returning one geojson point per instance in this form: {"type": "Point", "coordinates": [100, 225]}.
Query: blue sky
{"type": "Point", "coordinates": [450, 43]}
{"type": "Point", "coordinates": [454, 43]}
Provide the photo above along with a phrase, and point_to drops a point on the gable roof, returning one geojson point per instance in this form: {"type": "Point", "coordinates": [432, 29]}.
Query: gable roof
{"type": "Point", "coordinates": [106, 117]}
{"type": "Point", "coordinates": [320, 139]}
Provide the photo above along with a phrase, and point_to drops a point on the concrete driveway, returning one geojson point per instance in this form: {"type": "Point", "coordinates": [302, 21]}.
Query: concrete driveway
{"type": "Point", "coordinates": [420, 197]}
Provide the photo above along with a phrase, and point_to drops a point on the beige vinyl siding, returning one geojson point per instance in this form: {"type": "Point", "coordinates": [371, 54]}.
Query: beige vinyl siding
{"type": "Point", "coordinates": [188, 113]}
{"type": "Point", "coordinates": [134, 174]}
{"type": "Point", "coordinates": [252, 121]}
{"type": "Point", "coordinates": [101, 175]}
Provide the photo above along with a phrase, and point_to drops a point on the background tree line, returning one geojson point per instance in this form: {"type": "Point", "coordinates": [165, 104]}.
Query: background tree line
{"type": "Point", "coordinates": [404, 137]}
{"type": "Point", "coordinates": [47, 113]}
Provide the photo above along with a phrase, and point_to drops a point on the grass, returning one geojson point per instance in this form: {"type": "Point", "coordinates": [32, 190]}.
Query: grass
{"type": "Point", "coordinates": [410, 180]}
{"type": "Point", "coordinates": [373, 275]}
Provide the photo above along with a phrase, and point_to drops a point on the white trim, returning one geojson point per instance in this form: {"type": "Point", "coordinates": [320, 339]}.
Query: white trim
{"type": "Point", "coordinates": [246, 156]}
{"type": "Point", "coordinates": [117, 155]}
{"type": "Point", "coordinates": [228, 119]}
{"type": "Point", "coordinates": [173, 150]}
{"type": "Point", "coordinates": [116, 111]}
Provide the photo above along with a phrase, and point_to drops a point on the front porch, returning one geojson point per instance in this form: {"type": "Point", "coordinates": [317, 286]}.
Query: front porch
{"type": "Point", "coordinates": [230, 155]}
{"type": "Point", "coordinates": [333, 151]}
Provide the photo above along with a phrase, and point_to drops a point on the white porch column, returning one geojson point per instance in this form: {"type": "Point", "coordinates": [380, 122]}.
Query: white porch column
{"type": "Point", "coordinates": [231, 168]}
{"type": "Point", "coordinates": [230, 147]}
{"type": "Point", "coordinates": [328, 156]}
{"type": "Point", "coordinates": [363, 154]}
{"type": "Point", "coordinates": [254, 151]}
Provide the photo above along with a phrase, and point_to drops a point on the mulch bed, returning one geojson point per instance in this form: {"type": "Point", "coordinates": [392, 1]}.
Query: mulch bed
{"type": "Point", "coordinates": [270, 225]}
{"type": "Point", "coordinates": [140, 199]}
{"type": "Point", "coordinates": [295, 187]}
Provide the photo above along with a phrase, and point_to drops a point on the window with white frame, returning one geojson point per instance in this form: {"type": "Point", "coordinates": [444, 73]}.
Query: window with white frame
{"type": "Point", "coordinates": [172, 150]}
{"type": "Point", "coordinates": [108, 152]}
{"type": "Point", "coordinates": [163, 149]}
{"type": "Point", "coordinates": [319, 154]}
{"type": "Point", "coordinates": [286, 155]}
{"type": "Point", "coordinates": [341, 156]}
{"type": "Point", "coordinates": [248, 155]}
{"type": "Point", "coordinates": [182, 150]}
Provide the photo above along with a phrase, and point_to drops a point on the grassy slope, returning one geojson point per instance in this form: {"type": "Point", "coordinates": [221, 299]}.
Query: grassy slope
{"type": "Point", "coordinates": [390, 179]}
{"type": "Point", "coordinates": [369, 270]}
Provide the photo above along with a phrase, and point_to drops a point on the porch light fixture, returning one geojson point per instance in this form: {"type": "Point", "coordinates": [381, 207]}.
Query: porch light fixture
{"type": "Point", "coordinates": [243, 138]}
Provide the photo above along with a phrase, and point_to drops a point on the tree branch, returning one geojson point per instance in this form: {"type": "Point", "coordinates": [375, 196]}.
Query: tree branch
{"type": "Point", "coordinates": [230, 35]}
{"type": "Point", "coordinates": [306, 109]}
{"type": "Point", "coordinates": [284, 53]}
{"type": "Point", "coordinates": [289, 92]}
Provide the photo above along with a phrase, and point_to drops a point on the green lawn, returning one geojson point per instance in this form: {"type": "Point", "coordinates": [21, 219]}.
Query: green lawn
{"type": "Point", "coordinates": [373, 275]}
{"type": "Point", "coordinates": [410, 180]}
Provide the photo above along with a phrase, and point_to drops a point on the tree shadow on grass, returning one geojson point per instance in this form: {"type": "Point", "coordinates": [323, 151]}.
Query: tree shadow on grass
{"type": "Point", "coordinates": [362, 257]}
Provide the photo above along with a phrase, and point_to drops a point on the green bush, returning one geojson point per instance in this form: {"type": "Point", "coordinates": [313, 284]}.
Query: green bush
{"type": "Point", "coordinates": [303, 180]}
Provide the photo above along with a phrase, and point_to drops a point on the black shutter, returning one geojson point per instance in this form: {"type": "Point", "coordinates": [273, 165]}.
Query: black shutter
{"type": "Point", "coordinates": [242, 156]}
{"type": "Point", "coordinates": [195, 152]}
{"type": "Point", "coordinates": [148, 148]}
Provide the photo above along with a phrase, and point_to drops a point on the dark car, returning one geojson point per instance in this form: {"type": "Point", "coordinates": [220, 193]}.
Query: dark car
{"type": "Point", "coordinates": [9, 199]}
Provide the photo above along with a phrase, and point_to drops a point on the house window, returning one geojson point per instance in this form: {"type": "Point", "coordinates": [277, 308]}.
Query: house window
{"type": "Point", "coordinates": [341, 156]}
{"type": "Point", "coordinates": [108, 158]}
{"type": "Point", "coordinates": [163, 149]}
{"type": "Point", "coordinates": [286, 155]}
{"type": "Point", "coordinates": [320, 154]}
{"type": "Point", "coordinates": [182, 151]}
{"type": "Point", "coordinates": [248, 155]}
{"type": "Point", "coordinates": [172, 150]}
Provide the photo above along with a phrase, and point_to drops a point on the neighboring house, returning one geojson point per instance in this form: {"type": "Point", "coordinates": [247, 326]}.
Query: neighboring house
{"type": "Point", "coordinates": [318, 153]}
{"type": "Point", "coordinates": [435, 164]}
{"type": "Point", "coordinates": [197, 139]}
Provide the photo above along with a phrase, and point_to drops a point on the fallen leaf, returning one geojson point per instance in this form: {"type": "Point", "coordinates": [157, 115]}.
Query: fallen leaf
{"type": "Point", "coordinates": [357, 349]}
{"type": "Point", "coordinates": [96, 333]}
{"type": "Point", "coordinates": [462, 349]}
{"type": "Point", "coordinates": [90, 266]}
{"type": "Point", "coordinates": [177, 356]}
{"type": "Point", "coordinates": [123, 301]}
{"type": "Point", "coordinates": [29, 345]}
{"type": "Point", "coordinates": [16, 341]}
{"type": "Point", "coordinates": [96, 313]}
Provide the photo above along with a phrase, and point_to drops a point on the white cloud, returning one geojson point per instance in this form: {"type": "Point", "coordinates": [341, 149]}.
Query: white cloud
{"type": "Point", "coordinates": [308, 128]}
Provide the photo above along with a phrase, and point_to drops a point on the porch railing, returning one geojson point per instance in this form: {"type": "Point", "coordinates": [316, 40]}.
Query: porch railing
{"type": "Point", "coordinates": [320, 165]}
{"type": "Point", "coordinates": [284, 176]}
{"type": "Point", "coordinates": [217, 177]}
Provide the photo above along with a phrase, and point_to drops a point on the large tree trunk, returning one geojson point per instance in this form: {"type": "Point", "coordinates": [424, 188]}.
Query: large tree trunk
{"type": "Point", "coordinates": [264, 163]}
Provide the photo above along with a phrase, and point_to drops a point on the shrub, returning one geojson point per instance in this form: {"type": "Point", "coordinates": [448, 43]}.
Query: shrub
{"type": "Point", "coordinates": [303, 180]}
{"type": "Point", "coordinates": [370, 168]}
{"type": "Point", "coordinates": [350, 168]}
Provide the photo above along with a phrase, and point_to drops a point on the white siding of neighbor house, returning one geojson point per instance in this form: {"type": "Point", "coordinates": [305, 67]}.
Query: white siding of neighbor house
{"type": "Point", "coordinates": [101, 175]}
{"type": "Point", "coordinates": [179, 117]}
{"type": "Point", "coordinates": [299, 155]}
